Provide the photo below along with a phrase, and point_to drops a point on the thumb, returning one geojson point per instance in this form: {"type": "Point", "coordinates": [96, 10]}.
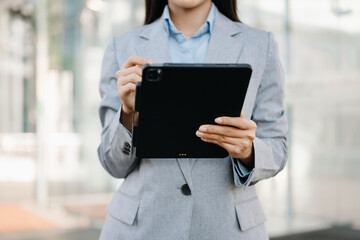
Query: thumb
{"type": "Point", "coordinates": [242, 114]}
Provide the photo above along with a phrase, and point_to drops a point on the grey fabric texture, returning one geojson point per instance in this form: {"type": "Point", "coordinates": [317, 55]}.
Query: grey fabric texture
{"type": "Point", "coordinates": [149, 204]}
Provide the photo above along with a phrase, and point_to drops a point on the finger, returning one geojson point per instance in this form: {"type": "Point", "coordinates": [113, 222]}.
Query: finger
{"type": "Point", "coordinates": [135, 60]}
{"type": "Point", "coordinates": [226, 146]}
{"type": "Point", "coordinates": [132, 78]}
{"type": "Point", "coordinates": [127, 89]}
{"type": "Point", "coordinates": [233, 149]}
{"type": "Point", "coordinates": [128, 71]}
{"type": "Point", "coordinates": [218, 138]}
{"type": "Point", "coordinates": [242, 114]}
{"type": "Point", "coordinates": [245, 135]}
{"type": "Point", "coordinates": [208, 140]}
{"type": "Point", "coordinates": [238, 122]}
{"type": "Point", "coordinates": [223, 130]}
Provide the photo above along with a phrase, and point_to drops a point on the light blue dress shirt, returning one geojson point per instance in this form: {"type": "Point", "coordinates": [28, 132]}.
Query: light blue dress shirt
{"type": "Point", "coordinates": [194, 50]}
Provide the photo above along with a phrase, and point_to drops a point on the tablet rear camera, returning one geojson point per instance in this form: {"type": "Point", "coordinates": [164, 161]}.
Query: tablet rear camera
{"type": "Point", "coordinates": [154, 75]}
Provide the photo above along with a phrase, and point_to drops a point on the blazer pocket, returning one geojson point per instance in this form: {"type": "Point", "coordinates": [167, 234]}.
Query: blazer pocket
{"type": "Point", "coordinates": [123, 207]}
{"type": "Point", "coordinates": [249, 214]}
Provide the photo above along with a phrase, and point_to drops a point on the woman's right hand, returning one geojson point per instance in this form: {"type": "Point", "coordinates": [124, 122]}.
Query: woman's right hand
{"type": "Point", "coordinates": [127, 77]}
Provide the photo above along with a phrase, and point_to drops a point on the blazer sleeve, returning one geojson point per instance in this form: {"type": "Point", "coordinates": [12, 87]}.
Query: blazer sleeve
{"type": "Point", "coordinates": [115, 148]}
{"type": "Point", "coordinates": [270, 143]}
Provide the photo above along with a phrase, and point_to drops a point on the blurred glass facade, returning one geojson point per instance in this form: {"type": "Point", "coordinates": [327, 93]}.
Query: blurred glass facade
{"type": "Point", "coordinates": [50, 62]}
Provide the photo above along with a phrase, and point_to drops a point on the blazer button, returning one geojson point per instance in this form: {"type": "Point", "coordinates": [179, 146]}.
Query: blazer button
{"type": "Point", "coordinates": [127, 145]}
{"type": "Point", "coordinates": [185, 190]}
{"type": "Point", "coordinates": [126, 148]}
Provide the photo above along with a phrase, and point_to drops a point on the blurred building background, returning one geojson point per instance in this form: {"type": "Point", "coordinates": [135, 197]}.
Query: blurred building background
{"type": "Point", "coordinates": [50, 58]}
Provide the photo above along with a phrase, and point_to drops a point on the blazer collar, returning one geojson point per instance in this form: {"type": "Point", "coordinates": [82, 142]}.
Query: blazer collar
{"type": "Point", "coordinates": [154, 44]}
{"type": "Point", "coordinates": [223, 47]}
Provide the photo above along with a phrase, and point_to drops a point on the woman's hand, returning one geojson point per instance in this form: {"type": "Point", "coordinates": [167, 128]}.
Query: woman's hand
{"type": "Point", "coordinates": [235, 134]}
{"type": "Point", "coordinates": [127, 77]}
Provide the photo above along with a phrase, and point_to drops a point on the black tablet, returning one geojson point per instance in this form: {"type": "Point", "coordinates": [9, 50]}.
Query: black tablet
{"type": "Point", "coordinates": [173, 100]}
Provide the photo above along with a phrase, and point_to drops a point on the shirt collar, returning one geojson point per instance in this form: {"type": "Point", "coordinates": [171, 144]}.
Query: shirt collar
{"type": "Point", "coordinates": [205, 28]}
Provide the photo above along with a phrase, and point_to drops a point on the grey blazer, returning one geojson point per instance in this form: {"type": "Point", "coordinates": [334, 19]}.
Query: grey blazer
{"type": "Point", "coordinates": [152, 203]}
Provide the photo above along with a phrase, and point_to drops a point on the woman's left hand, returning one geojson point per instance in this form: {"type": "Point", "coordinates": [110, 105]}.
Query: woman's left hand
{"type": "Point", "coordinates": [235, 134]}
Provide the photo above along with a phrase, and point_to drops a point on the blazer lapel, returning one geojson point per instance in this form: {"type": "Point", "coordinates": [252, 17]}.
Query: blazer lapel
{"type": "Point", "coordinates": [154, 45]}
{"type": "Point", "coordinates": [223, 46]}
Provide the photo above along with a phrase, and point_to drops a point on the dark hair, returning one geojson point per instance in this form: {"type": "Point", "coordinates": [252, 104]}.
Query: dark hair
{"type": "Point", "coordinates": [154, 9]}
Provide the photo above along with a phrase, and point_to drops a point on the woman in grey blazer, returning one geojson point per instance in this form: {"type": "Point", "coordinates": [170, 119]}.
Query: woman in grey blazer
{"type": "Point", "coordinates": [164, 199]}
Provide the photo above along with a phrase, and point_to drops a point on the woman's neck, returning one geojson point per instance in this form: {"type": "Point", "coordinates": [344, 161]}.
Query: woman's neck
{"type": "Point", "coordinates": [189, 20]}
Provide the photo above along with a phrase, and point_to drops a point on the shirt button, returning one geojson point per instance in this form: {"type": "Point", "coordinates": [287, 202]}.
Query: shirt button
{"type": "Point", "coordinates": [185, 190]}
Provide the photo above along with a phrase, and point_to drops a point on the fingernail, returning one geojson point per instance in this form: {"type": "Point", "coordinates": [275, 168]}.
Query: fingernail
{"type": "Point", "coordinates": [199, 134]}
{"type": "Point", "coordinates": [203, 129]}
{"type": "Point", "coordinates": [218, 120]}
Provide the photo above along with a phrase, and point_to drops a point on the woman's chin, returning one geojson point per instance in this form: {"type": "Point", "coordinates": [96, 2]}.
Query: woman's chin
{"type": "Point", "coordinates": [187, 4]}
